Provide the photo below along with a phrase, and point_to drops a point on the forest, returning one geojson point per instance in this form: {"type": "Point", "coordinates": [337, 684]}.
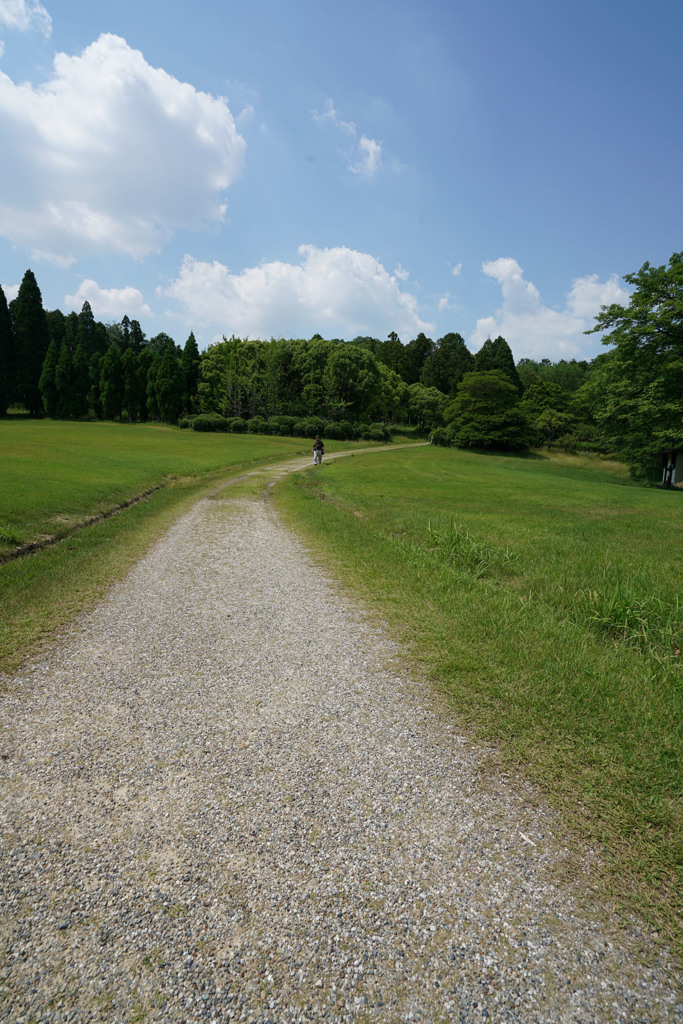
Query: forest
{"type": "Point", "coordinates": [628, 401]}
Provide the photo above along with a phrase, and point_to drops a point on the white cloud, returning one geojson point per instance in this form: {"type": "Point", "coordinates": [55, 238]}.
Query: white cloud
{"type": "Point", "coordinates": [533, 330]}
{"type": "Point", "coordinates": [369, 158]}
{"type": "Point", "coordinates": [337, 292]}
{"type": "Point", "coordinates": [365, 156]}
{"type": "Point", "coordinates": [25, 15]}
{"type": "Point", "coordinates": [109, 303]}
{"type": "Point", "coordinates": [11, 291]}
{"type": "Point", "coordinates": [111, 154]}
{"type": "Point", "coordinates": [456, 270]}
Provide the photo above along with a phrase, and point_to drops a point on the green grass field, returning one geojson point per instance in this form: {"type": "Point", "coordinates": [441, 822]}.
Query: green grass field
{"type": "Point", "coordinates": [56, 475]}
{"type": "Point", "coordinates": [542, 594]}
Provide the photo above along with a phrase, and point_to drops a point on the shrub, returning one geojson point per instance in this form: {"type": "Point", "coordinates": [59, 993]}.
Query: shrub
{"type": "Point", "coordinates": [256, 424]}
{"type": "Point", "coordinates": [347, 429]}
{"type": "Point", "coordinates": [334, 432]}
{"type": "Point", "coordinates": [441, 436]}
{"type": "Point", "coordinates": [238, 425]}
{"type": "Point", "coordinates": [309, 427]}
{"type": "Point", "coordinates": [183, 423]}
{"type": "Point", "coordinates": [379, 432]}
{"type": "Point", "coordinates": [211, 422]}
{"type": "Point", "coordinates": [282, 425]}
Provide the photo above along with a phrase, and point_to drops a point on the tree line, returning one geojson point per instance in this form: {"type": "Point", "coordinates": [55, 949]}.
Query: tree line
{"type": "Point", "coordinates": [628, 400]}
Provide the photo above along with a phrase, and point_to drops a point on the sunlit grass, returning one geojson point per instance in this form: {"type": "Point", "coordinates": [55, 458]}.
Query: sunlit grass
{"type": "Point", "coordinates": [543, 596]}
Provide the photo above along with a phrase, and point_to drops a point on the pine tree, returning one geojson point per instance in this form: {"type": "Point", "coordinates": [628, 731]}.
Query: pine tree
{"type": "Point", "coordinates": [7, 365]}
{"type": "Point", "coordinates": [47, 382]}
{"type": "Point", "coordinates": [137, 337]}
{"type": "Point", "coordinates": [31, 343]}
{"type": "Point", "coordinates": [80, 384]}
{"type": "Point", "coordinates": [190, 363]}
{"type": "Point", "coordinates": [111, 384]}
{"type": "Point", "coordinates": [86, 335]}
{"type": "Point", "coordinates": [170, 384]}
{"type": "Point", "coordinates": [497, 355]}
{"type": "Point", "coordinates": [95, 373]}
{"type": "Point", "coordinates": [64, 382]}
{"type": "Point", "coordinates": [152, 402]}
{"type": "Point", "coordinates": [132, 398]}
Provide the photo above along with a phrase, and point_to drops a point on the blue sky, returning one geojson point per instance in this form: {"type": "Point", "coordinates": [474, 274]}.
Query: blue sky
{"type": "Point", "coordinates": [279, 169]}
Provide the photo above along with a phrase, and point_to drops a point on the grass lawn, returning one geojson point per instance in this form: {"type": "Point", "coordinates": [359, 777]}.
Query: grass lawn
{"type": "Point", "coordinates": [542, 594]}
{"type": "Point", "coordinates": [56, 475]}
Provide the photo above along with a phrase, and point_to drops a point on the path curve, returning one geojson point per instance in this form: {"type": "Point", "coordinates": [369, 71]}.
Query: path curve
{"type": "Point", "coordinates": [222, 799]}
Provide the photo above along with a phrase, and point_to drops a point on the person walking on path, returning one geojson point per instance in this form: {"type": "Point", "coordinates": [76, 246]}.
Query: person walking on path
{"type": "Point", "coordinates": [318, 451]}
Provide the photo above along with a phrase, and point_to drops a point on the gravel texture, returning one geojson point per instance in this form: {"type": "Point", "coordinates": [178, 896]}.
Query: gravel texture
{"type": "Point", "coordinates": [223, 799]}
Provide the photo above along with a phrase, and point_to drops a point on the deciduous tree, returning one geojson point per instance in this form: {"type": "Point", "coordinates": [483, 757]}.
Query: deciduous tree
{"type": "Point", "coordinates": [637, 392]}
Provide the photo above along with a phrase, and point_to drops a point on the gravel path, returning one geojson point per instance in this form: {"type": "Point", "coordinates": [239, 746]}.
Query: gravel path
{"type": "Point", "coordinates": [222, 799]}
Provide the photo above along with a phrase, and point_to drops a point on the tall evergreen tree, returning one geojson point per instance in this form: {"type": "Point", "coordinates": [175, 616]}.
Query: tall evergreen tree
{"type": "Point", "coordinates": [56, 326]}
{"type": "Point", "coordinates": [189, 364]}
{"type": "Point", "coordinates": [125, 333]}
{"type": "Point", "coordinates": [86, 335]}
{"type": "Point", "coordinates": [497, 355]}
{"type": "Point", "coordinates": [31, 343]}
{"type": "Point", "coordinates": [170, 384]}
{"type": "Point", "coordinates": [153, 412]}
{"type": "Point", "coordinates": [132, 398]}
{"type": "Point", "coordinates": [416, 351]}
{"type": "Point", "coordinates": [80, 384]}
{"type": "Point", "coordinates": [448, 364]}
{"type": "Point", "coordinates": [7, 366]}
{"type": "Point", "coordinates": [64, 382]}
{"type": "Point", "coordinates": [47, 382]}
{"type": "Point", "coordinates": [71, 332]}
{"type": "Point", "coordinates": [111, 384]}
{"type": "Point", "coordinates": [95, 374]}
{"type": "Point", "coordinates": [137, 337]}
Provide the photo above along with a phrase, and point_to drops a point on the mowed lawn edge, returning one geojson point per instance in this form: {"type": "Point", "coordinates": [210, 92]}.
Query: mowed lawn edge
{"type": "Point", "coordinates": [594, 722]}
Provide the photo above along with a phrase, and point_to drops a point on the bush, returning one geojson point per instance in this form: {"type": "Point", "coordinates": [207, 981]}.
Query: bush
{"type": "Point", "coordinates": [441, 436]}
{"type": "Point", "coordinates": [309, 427]}
{"type": "Point", "coordinates": [334, 432]}
{"type": "Point", "coordinates": [211, 422]}
{"type": "Point", "coordinates": [256, 424]}
{"type": "Point", "coordinates": [238, 425]}
{"type": "Point", "coordinates": [282, 425]}
{"type": "Point", "coordinates": [347, 429]}
{"type": "Point", "coordinates": [379, 432]}
{"type": "Point", "coordinates": [184, 423]}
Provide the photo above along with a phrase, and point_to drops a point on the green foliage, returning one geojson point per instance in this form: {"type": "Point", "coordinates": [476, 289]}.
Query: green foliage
{"type": "Point", "coordinates": [31, 340]}
{"type": "Point", "coordinates": [484, 414]}
{"type": "Point", "coordinates": [567, 374]}
{"type": "Point", "coordinates": [442, 436]}
{"type": "Point", "coordinates": [170, 385]}
{"type": "Point", "coordinates": [112, 389]}
{"type": "Point", "coordinates": [426, 405]}
{"type": "Point", "coordinates": [64, 373]}
{"type": "Point", "coordinates": [636, 393]}
{"type": "Point", "coordinates": [7, 360]}
{"type": "Point", "coordinates": [497, 355]}
{"type": "Point", "coordinates": [447, 364]}
{"type": "Point", "coordinates": [47, 385]}
{"type": "Point", "coordinates": [211, 422]}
